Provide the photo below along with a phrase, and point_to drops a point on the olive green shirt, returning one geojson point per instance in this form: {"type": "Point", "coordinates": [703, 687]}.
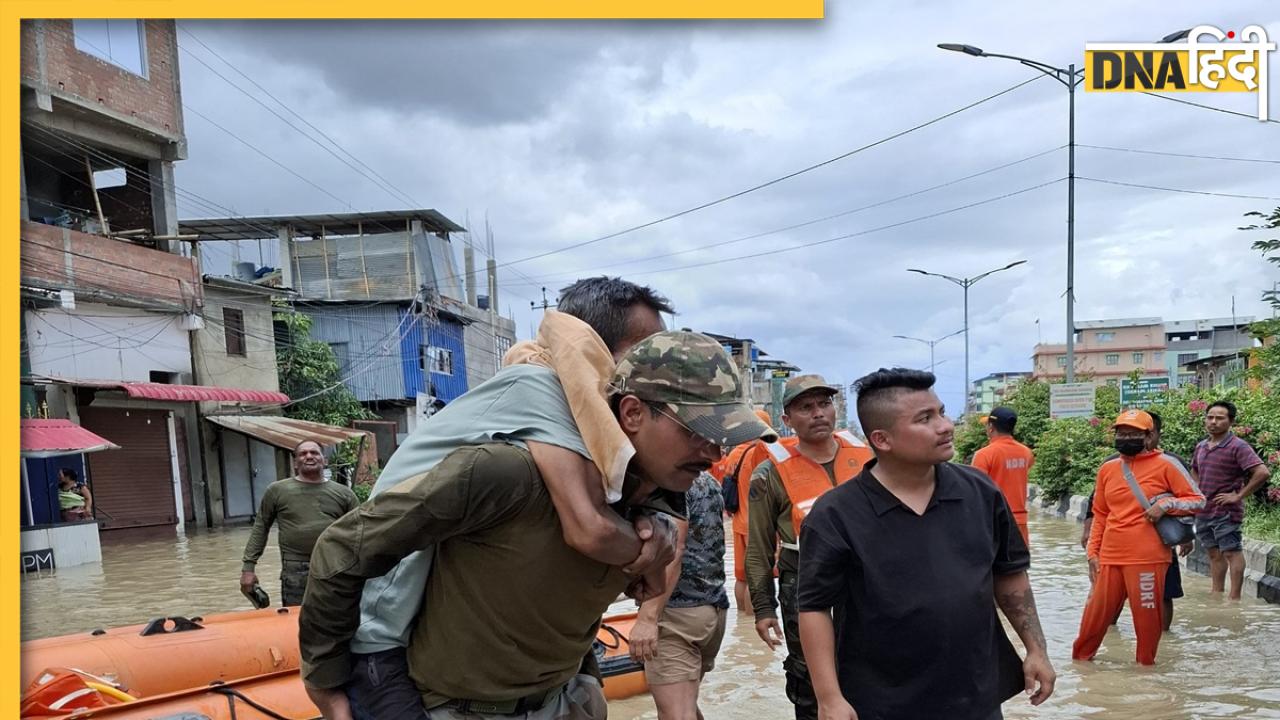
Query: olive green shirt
{"type": "Point", "coordinates": [303, 510]}
{"type": "Point", "coordinates": [768, 525]}
{"type": "Point", "coordinates": [509, 608]}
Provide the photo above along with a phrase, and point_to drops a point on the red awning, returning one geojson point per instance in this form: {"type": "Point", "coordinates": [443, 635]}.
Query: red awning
{"type": "Point", "coordinates": [201, 393]}
{"type": "Point", "coordinates": [45, 438]}
{"type": "Point", "coordinates": [172, 393]}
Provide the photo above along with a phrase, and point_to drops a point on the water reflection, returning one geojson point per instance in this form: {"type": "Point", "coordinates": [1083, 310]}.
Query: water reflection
{"type": "Point", "coordinates": [1221, 660]}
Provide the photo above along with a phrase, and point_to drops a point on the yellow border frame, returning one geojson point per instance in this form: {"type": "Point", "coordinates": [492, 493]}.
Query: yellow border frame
{"type": "Point", "coordinates": [12, 12]}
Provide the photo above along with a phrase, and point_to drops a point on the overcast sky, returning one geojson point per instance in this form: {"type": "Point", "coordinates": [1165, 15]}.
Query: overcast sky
{"type": "Point", "coordinates": [564, 132]}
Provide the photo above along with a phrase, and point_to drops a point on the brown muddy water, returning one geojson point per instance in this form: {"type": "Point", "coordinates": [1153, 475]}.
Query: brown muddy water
{"type": "Point", "coordinates": [1221, 660]}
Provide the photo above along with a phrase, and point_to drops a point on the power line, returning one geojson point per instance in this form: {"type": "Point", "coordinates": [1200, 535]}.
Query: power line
{"type": "Point", "coordinates": [792, 248]}
{"type": "Point", "coordinates": [808, 222]}
{"type": "Point", "coordinates": [1177, 190]}
{"type": "Point", "coordinates": [1207, 107]}
{"type": "Point", "coordinates": [1181, 155]}
{"type": "Point", "coordinates": [386, 185]}
{"type": "Point", "coordinates": [391, 190]}
{"type": "Point", "coordinates": [774, 181]}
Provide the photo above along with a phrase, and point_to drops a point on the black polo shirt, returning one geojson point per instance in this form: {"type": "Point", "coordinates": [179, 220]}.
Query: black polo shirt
{"type": "Point", "coordinates": [917, 634]}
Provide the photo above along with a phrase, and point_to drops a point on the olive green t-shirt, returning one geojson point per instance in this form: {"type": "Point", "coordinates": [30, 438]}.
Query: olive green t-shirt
{"type": "Point", "coordinates": [510, 609]}
{"type": "Point", "coordinates": [302, 510]}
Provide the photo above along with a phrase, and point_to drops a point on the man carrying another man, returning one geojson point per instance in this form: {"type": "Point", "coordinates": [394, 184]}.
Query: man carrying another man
{"type": "Point", "coordinates": [510, 609]}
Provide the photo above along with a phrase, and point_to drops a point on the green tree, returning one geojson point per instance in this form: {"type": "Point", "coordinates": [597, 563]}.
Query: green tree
{"type": "Point", "coordinates": [1267, 368]}
{"type": "Point", "coordinates": [309, 374]}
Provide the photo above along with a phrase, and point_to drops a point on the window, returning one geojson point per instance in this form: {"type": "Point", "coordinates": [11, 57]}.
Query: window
{"type": "Point", "coordinates": [120, 42]}
{"type": "Point", "coordinates": [1184, 358]}
{"type": "Point", "coordinates": [1113, 358]}
{"type": "Point", "coordinates": [435, 360]}
{"type": "Point", "coordinates": [342, 355]}
{"type": "Point", "coordinates": [503, 344]}
{"type": "Point", "coordinates": [233, 326]}
{"type": "Point", "coordinates": [1062, 361]}
{"type": "Point", "coordinates": [1137, 358]}
{"type": "Point", "coordinates": [1103, 337]}
{"type": "Point", "coordinates": [1157, 357]}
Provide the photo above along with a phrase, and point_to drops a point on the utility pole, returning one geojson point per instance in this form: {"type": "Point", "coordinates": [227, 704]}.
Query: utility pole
{"type": "Point", "coordinates": [545, 303]}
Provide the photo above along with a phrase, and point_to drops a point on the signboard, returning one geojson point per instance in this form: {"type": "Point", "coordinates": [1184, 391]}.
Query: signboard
{"type": "Point", "coordinates": [1071, 400]}
{"type": "Point", "coordinates": [37, 560]}
{"type": "Point", "coordinates": [1142, 393]}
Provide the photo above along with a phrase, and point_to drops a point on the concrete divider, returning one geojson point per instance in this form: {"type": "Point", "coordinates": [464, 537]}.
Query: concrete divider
{"type": "Point", "coordinates": [1261, 559]}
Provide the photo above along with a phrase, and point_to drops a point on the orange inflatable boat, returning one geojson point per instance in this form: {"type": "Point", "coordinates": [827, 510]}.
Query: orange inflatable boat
{"type": "Point", "coordinates": [240, 665]}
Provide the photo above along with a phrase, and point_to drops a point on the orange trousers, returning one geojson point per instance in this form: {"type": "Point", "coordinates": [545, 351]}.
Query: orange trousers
{"type": "Point", "coordinates": [740, 557]}
{"type": "Point", "coordinates": [1143, 585]}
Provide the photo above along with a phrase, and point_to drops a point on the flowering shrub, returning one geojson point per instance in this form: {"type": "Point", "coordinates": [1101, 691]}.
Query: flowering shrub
{"type": "Point", "coordinates": [1069, 451]}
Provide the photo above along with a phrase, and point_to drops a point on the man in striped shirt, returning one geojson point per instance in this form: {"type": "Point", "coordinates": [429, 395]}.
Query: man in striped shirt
{"type": "Point", "coordinates": [1228, 471]}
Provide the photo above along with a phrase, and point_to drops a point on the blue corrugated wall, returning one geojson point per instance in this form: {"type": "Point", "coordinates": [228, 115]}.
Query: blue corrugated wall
{"type": "Point", "coordinates": [443, 333]}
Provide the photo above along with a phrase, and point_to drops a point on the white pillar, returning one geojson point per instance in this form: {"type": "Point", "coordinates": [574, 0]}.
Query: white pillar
{"type": "Point", "coordinates": [175, 471]}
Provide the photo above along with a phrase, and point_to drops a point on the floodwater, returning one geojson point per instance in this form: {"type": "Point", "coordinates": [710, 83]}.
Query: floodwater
{"type": "Point", "coordinates": [1221, 660]}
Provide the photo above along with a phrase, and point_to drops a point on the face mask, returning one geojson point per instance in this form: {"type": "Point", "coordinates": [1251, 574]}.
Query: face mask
{"type": "Point", "coordinates": [1130, 446]}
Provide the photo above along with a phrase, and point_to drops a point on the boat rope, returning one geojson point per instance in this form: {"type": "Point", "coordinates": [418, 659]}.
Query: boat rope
{"type": "Point", "coordinates": [232, 695]}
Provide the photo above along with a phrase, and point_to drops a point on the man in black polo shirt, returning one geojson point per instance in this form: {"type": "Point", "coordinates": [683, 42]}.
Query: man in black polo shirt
{"type": "Point", "coordinates": [914, 555]}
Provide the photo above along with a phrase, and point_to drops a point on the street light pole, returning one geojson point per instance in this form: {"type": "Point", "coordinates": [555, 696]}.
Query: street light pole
{"type": "Point", "coordinates": [967, 283]}
{"type": "Point", "coordinates": [1070, 78]}
{"type": "Point", "coordinates": [931, 344]}
{"type": "Point", "coordinates": [1071, 222]}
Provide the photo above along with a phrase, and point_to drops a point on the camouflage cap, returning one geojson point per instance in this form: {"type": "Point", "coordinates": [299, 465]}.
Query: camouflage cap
{"type": "Point", "coordinates": [802, 384]}
{"type": "Point", "coordinates": [693, 378]}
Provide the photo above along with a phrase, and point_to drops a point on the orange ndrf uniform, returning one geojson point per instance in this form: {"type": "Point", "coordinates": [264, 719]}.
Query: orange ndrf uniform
{"type": "Point", "coordinates": [1132, 560]}
{"type": "Point", "coordinates": [1007, 462]}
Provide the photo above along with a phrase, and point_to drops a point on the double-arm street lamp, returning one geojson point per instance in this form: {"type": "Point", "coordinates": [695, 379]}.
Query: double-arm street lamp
{"type": "Point", "coordinates": [931, 344]}
{"type": "Point", "coordinates": [967, 283]}
{"type": "Point", "coordinates": [1070, 78]}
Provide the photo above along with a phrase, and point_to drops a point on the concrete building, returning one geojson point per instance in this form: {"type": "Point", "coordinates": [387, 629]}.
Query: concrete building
{"type": "Point", "coordinates": [1219, 371]}
{"type": "Point", "coordinates": [1187, 341]}
{"type": "Point", "coordinates": [1107, 351]}
{"type": "Point", "coordinates": [384, 290]}
{"type": "Point", "coordinates": [110, 296]}
{"type": "Point", "coordinates": [988, 392]}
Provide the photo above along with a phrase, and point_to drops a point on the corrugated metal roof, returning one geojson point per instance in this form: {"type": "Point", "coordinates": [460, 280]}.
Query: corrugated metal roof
{"type": "Point", "coordinates": [285, 433]}
{"type": "Point", "coordinates": [264, 227]}
{"type": "Point", "coordinates": [45, 438]}
{"type": "Point", "coordinates": [201, 393]}
{"type": "Point", "coordinates": [176, 393]}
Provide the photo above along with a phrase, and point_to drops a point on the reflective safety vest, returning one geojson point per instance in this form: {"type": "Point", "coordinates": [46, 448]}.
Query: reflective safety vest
{"type": "Point", "coordinates": [805, 480]}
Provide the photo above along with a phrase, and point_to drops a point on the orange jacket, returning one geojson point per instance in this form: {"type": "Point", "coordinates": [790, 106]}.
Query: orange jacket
{"type": "Point", "coordinates": [805, 480]}
{"type": "Point", "coordinates": [1007, 462]}
{"type": "Point", "coordinates": [1121, 534]}
{"type": "Point", "coordinates": [750, 455]}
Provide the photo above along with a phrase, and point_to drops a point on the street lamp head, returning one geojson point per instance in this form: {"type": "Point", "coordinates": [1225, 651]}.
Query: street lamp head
{"type": "Point", "coordinates": [1014, 264]}
{"type": "Point", "coordinates": [1175, 37]}
{"type": "Point", "coordinates": [966, 49]}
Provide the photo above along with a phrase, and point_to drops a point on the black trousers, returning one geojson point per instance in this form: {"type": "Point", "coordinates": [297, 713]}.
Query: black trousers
{"type": "Point", "coordinates": [799, 686]}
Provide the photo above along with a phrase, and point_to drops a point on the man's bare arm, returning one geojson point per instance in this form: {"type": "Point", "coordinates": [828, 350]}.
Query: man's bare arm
{"type": "Point", "coordinates": [1018, 603]}
{"type": "Point", "coordinates": [590, 526]}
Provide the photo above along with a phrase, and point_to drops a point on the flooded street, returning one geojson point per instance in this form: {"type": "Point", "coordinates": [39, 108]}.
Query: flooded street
{"type": "Point", "coordinates": [1221, 660]}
